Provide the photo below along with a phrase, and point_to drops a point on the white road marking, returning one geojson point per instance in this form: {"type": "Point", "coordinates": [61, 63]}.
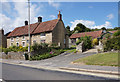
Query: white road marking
{"type": "Point", "coordinates": [0, 80]}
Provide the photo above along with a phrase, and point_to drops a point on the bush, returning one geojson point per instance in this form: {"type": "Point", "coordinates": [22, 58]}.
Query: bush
{"type": "Point", "coordinates": [95, 41]}
{"type": "Point", "coordinates": [87, 42]}
{"type": "Point", "coordinates": [47, 55]}
{"type": "Point", "coordinates": [117, 33]}
{"type": "Point", "coordinates": [113, 43]}
{"type": "Point", "coordinates": [6, 50]}
{"type": "Point", "coordinates": [40, 48]}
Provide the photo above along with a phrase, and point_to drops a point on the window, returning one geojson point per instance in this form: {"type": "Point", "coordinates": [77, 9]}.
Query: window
{"type": "Point", "coordinates": [42, 34]}
{"type": "Point", "coordinates": [11, 44]}
{"type": "Point", "coordinates": [23, 44]}
{"type": "Point", "coordinates": [17, 44]}
{"type": "Point", "coordinates": [23, 37]}
{"type": "Point", "coordinates": [27, 41]}
{"type": "Point", "coordinates": [42, 41]}
{"type": "Point", "coordinates": [64, 41]}
{"type": "Point", "coordinates": [34, 41]}
{"type": "Point", "coordinates": [17, 38]}
{"type": "Point", "coordinates": [12, 39]}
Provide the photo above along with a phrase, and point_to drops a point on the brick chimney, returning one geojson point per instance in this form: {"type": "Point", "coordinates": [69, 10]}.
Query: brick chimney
{"type": "Point", "coordinates": [26, 22]}
{"type": "Point", "coordinates": [60, 16]}
{"type": "Point", "coordinates": [39, 19]}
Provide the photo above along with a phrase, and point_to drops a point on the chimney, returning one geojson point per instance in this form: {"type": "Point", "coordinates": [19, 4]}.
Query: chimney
{"type": "Point", "coordinates": [60, 16]}
{"type": "Point", "coordinates": [26, 22]}
{"type": "Point", "coordinates": [2, 31]}
{"type": "Point", "coordinates": [39, 19]}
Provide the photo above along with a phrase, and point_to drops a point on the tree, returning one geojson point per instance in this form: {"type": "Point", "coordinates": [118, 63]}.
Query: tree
{"type": "Point", "coordinates": [81, 28]}
{"type": "Point", "coordinates": [117, 28]}
{"type": "Point", "coordinates": [68, 30]}
{"type": "Point", "coordinates": [103, 28]}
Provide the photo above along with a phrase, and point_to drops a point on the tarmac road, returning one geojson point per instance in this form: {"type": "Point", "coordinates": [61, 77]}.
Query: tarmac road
{"type": "Point", "coordinates": [15, 72]}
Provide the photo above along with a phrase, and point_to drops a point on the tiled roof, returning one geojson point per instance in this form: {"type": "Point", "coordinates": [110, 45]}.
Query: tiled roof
{"type": "Point", "coordinates": [113, 31]}
{"type": "Point", "coordinates": [34, 28]}
{"type": "Point", "coordinates": [46, 26]}
{"type": "Point", "coordinates": [94, 34]}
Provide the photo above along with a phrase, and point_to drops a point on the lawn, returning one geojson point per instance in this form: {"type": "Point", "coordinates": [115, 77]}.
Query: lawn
{"type": "Point", "coordinates": [102, 59]}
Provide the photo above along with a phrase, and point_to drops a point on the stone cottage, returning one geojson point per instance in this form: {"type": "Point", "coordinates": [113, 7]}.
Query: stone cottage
{"type": "Point", "coordinates": [51, 32]}
{"type": "Point", "coordinates": [3, 39]}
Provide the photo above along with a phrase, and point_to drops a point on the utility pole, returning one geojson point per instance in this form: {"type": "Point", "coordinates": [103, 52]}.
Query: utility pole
{"type": "Point", "coordinates": [29, 28]}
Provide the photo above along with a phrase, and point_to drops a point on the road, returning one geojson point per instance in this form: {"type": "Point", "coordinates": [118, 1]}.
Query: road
{"type": "Point", "coordinates": [15, 72]}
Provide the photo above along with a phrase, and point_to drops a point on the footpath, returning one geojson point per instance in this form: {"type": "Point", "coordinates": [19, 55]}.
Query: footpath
{"type": "Point", "coordinates": [63, 63]}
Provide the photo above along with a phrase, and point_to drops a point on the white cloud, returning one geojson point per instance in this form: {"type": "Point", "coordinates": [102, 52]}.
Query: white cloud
{"type": "Point", "coordinates": [90, 24]}
{"type": "Point", "coordinates": [54, 4]}
{"type": "Point", "coordinates": [110, 16]}
{"type": "Point", "coordinates": [20, 15]}
{"type": "Point", "coordinates": [106, 25]}
{"type": "Point", "coordinates": [87, 23]}
{"type": "Point", "coordinates": [52, 16]}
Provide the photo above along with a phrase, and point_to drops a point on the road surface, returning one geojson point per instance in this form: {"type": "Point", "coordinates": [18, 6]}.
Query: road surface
{"type": "Point", "coordinates": [15, 72]}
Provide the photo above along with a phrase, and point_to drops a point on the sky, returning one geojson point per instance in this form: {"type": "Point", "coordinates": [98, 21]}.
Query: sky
{"type": "Point", "coordinates": [91, 14]}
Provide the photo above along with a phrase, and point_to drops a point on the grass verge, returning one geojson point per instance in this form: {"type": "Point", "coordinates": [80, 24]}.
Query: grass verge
{"type": "Point", "coordinates": [102, 59]}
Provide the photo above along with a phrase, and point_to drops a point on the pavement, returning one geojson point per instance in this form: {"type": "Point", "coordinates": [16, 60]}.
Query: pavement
{"type": "Point", "coordinates": [63, 63]}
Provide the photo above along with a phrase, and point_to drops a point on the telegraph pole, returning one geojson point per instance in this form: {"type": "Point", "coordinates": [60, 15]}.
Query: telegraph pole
{"type": "Point", "coordinates": [29, 28]}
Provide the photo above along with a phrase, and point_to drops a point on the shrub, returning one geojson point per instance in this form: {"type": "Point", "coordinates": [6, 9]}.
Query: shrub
{"type": "Point", "coordinates": [95, 41]}
{"type": "Point", "coordinates": [113, 43]}
{"type": "Point", "coordinates": [87, 42]}
{"type": "Point", "coordinates": [117, 33]}
{"type": "Point", "coordinates": [47, 55]}
{"type": "Point", "coordinates": [6, 50]}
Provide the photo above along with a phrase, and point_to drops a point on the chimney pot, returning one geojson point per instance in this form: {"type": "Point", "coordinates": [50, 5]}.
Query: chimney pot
{"type": "Point", "coordinates": [39, 19]}
{"type": "Point", "coordinates": [26, 22]}
{"type": "Point", "coordinates": [60, 16]}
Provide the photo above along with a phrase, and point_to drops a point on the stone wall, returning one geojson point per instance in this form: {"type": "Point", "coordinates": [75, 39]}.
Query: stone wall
{"type": "Point", "coordinates": [80, 47]}
{"type": "Point", "coordinates": [59, 35]}
{"type": "Point", "coordinates": [13, 55]}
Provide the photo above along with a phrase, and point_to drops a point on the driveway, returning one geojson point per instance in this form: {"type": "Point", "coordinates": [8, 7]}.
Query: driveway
{"type": "Point", "coordinates": [61, 60]}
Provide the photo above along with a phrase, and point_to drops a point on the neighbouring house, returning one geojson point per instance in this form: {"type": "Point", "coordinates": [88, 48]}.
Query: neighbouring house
{"type": "Point", "coordinates": [94, 34]}
{"type": "Point", "coordinates": [3, 39]}
{"type": "Point", "coordinates": [51, 32]}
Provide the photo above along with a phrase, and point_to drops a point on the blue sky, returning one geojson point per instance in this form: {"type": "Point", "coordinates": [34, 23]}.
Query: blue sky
{"type": "Point", "coordinates": [91, 14]}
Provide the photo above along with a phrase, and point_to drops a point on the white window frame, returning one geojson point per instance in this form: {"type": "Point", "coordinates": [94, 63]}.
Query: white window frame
{"type": "Point", "coordinates": [18, 44]}
{"type": "Point", "coordinates": [22, 43]}
{"type": "Point", "coordinates": [12, 39]}
{"type": "Point", "coordinates": [17, 38]}
{"type": "Point", "coordinates": [11, 43]}
{"type": "Point", "coordinates": [23, 38]}
{"type": "Point", "coordinates": [42, 35]}
{"type": "Point", "coordinates": [41, 41]}
{"type": "Point", "coordinates": [34, 41]}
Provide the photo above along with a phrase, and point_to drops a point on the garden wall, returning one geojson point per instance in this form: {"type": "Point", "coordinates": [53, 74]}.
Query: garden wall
{"type": "Point", "coordinates": [13, 55]}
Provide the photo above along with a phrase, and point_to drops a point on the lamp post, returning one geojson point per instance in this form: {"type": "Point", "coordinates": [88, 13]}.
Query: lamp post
{"type": "Point", "coordinates": [29, 28]}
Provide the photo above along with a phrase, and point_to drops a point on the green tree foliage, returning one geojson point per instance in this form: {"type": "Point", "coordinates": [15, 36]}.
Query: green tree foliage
{"type": "Point", "coordinates": [112, 43]}
{"type": "Point", "coordinates": [87, 42]}
{"type": "Point", "coordinates": [117, 28]}
{"type": "Point", "coordinates": [103, 28]}
{"type": "Point", "coordinates": [68, 30]}
{"type": "Point", "coordinates": [117, 33]}
{"type": "Point", "coordinates": [81, 28]}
